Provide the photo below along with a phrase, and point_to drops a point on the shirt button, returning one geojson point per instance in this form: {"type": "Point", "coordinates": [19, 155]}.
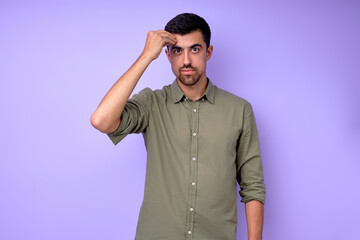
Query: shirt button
{"type": "Point", "coordinates": [193, 158]}
{"type": "Point", "coordinates": [191, 209]}
{"type": "Point", "coordinates": [193, 183]}
{"type": "Point", "coordinates": [194, 134]}
{"type": "Point", "coordinates": [194, 110]}
{"type": "Point", "coordinates": [189, 232]}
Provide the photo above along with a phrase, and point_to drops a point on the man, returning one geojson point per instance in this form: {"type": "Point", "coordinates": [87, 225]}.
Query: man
{"type": "Point", "coordinates": [199, 139]}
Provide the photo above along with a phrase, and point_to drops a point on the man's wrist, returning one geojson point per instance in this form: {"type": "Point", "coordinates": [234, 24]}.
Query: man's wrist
{"type": "Point", "coordinates": [144, 56]}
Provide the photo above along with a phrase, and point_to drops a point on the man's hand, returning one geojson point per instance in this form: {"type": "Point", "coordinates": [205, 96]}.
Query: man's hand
{"type": "Point", "coordinates": [155, 41]}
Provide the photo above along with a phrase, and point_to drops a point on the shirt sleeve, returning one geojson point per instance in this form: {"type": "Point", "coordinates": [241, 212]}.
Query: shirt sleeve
{"type": "Point", "coordinates": [135, 116]}
{"type": "Point", "coordinates": [248, 161]}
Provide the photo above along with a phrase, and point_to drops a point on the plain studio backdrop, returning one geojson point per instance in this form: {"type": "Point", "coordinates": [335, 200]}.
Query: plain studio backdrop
{"type": "Point", "coordinates": [296, 62]}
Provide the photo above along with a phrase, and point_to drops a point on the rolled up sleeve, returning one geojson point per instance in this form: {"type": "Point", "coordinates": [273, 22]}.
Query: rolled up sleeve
{"type": "Point", "coordinates": [249, 164]}
{"type": "Point", "coordinates": [135, 116]}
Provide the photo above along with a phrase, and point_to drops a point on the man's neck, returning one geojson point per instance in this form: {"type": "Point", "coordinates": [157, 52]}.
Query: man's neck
{"type": "Point", "coordinates": [196, 91]}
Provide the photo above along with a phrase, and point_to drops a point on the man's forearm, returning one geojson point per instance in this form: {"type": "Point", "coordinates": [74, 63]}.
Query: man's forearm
{"type": "Point", "coordinates": [254, 217]}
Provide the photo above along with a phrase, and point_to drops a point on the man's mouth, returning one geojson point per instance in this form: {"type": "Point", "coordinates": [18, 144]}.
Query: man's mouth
{"type": "Point", "coordinates": [187, 71]}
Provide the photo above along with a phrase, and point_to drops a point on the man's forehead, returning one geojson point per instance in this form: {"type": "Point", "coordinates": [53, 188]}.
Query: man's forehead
{"type": "Point", "coordinates": [189, 39]}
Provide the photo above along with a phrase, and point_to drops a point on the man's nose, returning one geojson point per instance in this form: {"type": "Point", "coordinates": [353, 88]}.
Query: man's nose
{"type": "Point", "coordinates": [187, 58]}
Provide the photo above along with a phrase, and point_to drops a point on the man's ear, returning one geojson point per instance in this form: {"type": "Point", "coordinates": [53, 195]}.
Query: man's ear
{"type": "Point", "coordinates": [167, 54]}
{"type": "Point", "coordinates": [209, 52]}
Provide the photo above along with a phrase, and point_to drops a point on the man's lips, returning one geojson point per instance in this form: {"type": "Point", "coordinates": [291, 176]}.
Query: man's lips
{"type": "Point", "coordinates": [187, 71]}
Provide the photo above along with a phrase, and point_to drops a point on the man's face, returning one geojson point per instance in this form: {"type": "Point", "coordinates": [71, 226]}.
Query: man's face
{"type": "Point", "coordinates": [188, 57]}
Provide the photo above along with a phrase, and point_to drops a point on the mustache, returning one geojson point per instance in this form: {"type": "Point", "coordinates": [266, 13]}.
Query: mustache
{"type": "Point", "coordinates": [187, 67]}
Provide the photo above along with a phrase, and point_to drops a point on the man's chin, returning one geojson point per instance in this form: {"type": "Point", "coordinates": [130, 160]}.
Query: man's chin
{"type": "Point", "coordinates": [188, 81]}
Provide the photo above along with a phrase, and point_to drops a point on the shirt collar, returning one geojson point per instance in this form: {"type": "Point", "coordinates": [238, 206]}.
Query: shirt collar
{"type": "Point", "coordinates": [177, 94]}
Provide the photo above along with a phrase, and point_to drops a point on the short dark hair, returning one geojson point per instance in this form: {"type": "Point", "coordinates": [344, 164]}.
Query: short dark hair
{"type": "Point", "coordinates": [188, 22]}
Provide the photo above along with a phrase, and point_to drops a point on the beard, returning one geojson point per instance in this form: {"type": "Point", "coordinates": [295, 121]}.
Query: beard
{"type": "Point", "coordinates": [189, 80]}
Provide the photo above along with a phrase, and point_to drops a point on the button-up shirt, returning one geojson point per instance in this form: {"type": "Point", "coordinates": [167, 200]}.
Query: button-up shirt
{"type": "Point", "coordinates": [196, 151]}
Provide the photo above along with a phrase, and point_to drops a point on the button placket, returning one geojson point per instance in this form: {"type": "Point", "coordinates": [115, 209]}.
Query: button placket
{"type": "Point", "coordinates": [194, 124]}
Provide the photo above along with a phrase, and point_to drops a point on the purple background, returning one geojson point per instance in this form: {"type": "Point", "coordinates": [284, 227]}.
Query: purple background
{"type": "Point", "coordinates": [297, 62]}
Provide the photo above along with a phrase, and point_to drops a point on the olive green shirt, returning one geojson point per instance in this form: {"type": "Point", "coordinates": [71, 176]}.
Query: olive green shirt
{"type": "Point", "coordinates": [196, 150]}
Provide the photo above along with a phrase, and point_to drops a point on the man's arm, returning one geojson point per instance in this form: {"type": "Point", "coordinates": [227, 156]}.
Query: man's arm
{"type": "Point", "coordinates": [107, 116]}
{"type": "Point", "coordinates": [254, 218]}
{"type": "Point", "coordinates": [250, 175]}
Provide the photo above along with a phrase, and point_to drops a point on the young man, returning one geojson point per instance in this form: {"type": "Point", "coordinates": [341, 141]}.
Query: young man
{"type": "Point", "coordinates": [200, 140]}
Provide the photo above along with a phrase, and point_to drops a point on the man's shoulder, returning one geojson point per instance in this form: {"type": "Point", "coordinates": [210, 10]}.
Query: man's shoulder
{"type": "Point", "coordinates": [149, 90]}
{"type": "Point", "coordinates": [226, 97]}
{"type": "Point", "coordinates": [155, 94]}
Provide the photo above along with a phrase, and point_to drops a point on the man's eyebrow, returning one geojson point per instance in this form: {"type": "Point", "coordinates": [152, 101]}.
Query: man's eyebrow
{"type": "Point", "coordinates": [195, 45]}
{"type": "Point", "coordinates": [192, 46]}
{"type": "Point", "coordinates": [176, 47]}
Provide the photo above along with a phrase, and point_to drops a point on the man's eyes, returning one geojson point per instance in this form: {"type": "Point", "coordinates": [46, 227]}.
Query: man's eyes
{"type": "Point", "coordinates": [195, 49]}
{"type": "Point", "coordinates": [178, 50]}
